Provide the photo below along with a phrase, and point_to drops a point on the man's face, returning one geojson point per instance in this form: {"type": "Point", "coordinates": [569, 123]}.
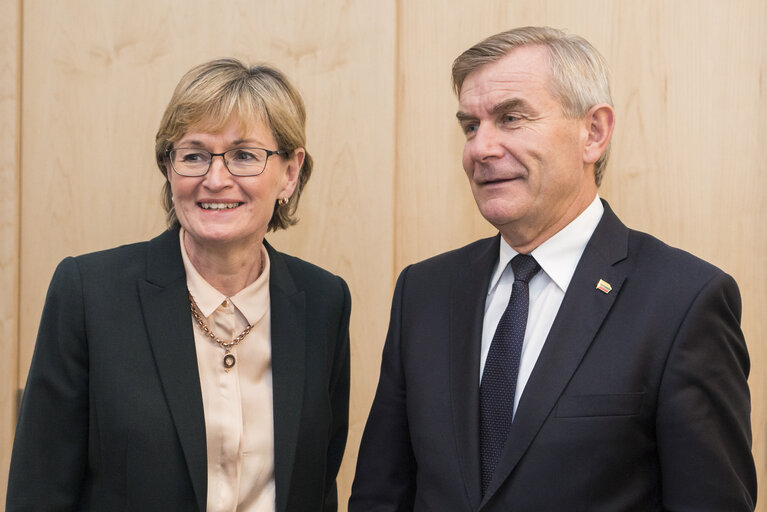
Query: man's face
{"type": "Point", "coordinates": [523, 157]}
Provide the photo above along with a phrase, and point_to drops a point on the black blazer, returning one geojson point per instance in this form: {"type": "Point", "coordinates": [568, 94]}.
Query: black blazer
{"type": "Point", "coordinates": [112, 416]}
{"type": "Point", "coordinates": [638, 401]}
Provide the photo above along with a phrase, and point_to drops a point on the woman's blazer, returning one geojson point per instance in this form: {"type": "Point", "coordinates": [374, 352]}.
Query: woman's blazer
{"type": "Point", "coordinates": [112, 416]}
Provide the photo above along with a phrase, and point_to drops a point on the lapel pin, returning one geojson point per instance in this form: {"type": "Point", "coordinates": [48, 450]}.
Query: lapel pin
{"type": "Point", "coordinates": [604, 286]}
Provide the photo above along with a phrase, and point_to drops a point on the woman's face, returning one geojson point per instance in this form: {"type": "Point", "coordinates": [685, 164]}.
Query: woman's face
{"type": "Point", "coordinates": [220, 211]}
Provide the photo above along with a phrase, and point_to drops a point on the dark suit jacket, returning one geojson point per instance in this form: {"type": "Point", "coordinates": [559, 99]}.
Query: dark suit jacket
{"type": "Point", "coordinates": [112, 416]}
{"type": "Point", "coordinates": [638, 400]}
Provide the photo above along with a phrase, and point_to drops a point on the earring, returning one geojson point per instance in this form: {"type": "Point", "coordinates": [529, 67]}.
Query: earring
{"type": "Point", "coordinates": [282, 201]}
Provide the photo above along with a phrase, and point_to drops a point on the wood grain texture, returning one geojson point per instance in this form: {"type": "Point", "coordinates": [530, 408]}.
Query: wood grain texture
{"type": "Point", "coordinates": [689, 161]}
{"type": "Point", "coordinates": [10, 13]}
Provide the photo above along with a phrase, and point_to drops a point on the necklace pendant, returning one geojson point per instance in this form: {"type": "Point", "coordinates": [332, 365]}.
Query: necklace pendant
{"type": "Point", "coordinates": [229, 361]}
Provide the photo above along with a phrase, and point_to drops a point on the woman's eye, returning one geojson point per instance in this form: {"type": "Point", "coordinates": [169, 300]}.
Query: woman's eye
{"type": "Point", "coordinates": [244, 155]}
{"type": "Point", "coordinates": [193, 157]}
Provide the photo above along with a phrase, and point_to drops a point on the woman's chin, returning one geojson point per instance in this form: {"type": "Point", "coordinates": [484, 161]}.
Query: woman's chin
{"type": "Point", "coordinates": [212, 236]}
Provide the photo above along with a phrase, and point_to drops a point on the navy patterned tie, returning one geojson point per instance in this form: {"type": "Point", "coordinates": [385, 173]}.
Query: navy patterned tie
{"type": "Point", "coordinates": [499, 380]}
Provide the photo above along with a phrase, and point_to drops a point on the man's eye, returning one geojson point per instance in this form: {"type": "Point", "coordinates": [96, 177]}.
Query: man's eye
{"type": "Point", "coordinates": [469, 128]}
{"type": "Point", "coordinates": [510, 118]}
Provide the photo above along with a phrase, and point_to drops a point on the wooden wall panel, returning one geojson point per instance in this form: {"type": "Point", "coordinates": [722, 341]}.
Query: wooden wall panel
{"type": "Point", "coordinates": [9, 226]}
{"type": "Point", "coordinates": [688, 164]}
{"type": "Point", "coordinates": [93, 99]}
{"type": "Point", "coordinates": [689, 159]}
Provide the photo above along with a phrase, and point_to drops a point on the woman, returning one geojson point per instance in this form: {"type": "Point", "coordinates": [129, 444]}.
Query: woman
{"type": "Point", "coordinates": [201, 370]}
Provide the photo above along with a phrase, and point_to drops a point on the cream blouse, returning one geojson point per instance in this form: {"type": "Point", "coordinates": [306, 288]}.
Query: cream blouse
{"type": "Point", "coordinates": [239, 425]}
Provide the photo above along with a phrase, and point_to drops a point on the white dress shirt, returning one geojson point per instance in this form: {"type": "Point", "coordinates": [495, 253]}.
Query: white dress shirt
{"type": "Point", "coordinates": [238, 404]}
{"type": "Point", "coordinates": [558, 256]}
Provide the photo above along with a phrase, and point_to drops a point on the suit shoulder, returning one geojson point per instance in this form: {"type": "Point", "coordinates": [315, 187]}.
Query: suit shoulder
{"type": "Point", "coordinates": [309, 273]}
{"type": "Point", "coordinates": [664, 270]}
{"type": "Point", "coordinates": [129, 260]}
{"type": "Point", "coordinates": [117, 260]}
{"type": "Point", "coordinates": [653, 253]}
{"type": "Point", "coordinates": [119, 253]}
{"type": "Point", "coordinates": [459, 256]}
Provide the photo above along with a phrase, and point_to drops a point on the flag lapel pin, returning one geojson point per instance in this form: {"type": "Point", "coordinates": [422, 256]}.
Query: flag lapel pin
{"type": "Point", "coordinates": [604, 286]}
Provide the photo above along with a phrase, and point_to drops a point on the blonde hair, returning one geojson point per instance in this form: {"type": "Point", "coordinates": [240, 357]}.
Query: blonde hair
{"type": "Point", "coordinates": [208, 95]}
{"type": "Point", "coordinates": [580, 76]}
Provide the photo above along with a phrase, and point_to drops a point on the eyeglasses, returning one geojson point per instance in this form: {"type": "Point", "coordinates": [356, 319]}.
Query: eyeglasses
{"type": "Point", "coordinates": [195, 162]}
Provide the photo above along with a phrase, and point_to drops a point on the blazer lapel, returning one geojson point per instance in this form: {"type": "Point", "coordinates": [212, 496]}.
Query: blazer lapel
{"type": "Point", "coordinates": [467, 311]}
{"type": "Point", "coordinates": [582, 312]}
{"type": "Point", "coordinates": [288, 310]}
{"type": "Point", "coordinates": [164, 300]}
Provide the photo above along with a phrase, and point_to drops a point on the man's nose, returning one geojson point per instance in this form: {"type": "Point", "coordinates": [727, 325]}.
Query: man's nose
{"type": "Point", "coordinates": [486, 143]}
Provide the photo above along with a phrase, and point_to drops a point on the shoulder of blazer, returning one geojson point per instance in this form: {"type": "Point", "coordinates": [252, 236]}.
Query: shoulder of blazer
{"type": "Point", "coordinates": [292, 274]}
{"type": "Point", "coordinates": [646, 248]}
{"type": "Point", "coordinates": [157, 260]}
{"type": "Point", "coordinates": [622, 245]}
{"type": "Point", "coordinates": [471, 254]}
{"type": "Point", "coordinates": [647, 254]}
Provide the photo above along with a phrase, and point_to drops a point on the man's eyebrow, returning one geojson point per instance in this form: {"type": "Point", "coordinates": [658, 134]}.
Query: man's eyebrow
{"type": "Point", "coordinates": [500, 108]}
{"type": "Point", "coordinates": [463, 117]}
{"type": "Point", "coordinates": [511, 104]}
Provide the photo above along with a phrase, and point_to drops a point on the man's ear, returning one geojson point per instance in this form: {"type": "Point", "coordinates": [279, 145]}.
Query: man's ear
{"type": "Point", "coordinates": [599, 122]}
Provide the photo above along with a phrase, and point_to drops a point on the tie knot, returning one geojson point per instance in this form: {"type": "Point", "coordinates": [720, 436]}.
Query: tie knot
{"type": "Point", "coordinates": [524, 267]}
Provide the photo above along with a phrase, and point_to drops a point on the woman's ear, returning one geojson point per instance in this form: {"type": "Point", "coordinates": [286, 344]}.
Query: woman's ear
{"type": "Point", "coordinates": [293, 171]}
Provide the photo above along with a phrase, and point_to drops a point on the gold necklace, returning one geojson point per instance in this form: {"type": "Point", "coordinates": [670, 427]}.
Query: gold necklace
{"type": "Point", "coordinates": [229, 359]}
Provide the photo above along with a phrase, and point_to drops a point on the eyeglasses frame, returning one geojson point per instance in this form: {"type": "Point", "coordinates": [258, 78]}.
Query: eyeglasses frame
{"type": "Point", "coordinates": [269, 152]}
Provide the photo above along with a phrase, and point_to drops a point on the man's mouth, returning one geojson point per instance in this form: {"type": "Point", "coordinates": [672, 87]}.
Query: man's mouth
{"type": "Point", "coordinates": [497, 180]}
{"type": "Point", "coordinates": [218, 206]}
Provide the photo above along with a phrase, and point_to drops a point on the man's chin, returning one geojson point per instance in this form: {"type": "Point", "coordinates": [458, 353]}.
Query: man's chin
{"type": "Point", "coordinates": [500, 212]}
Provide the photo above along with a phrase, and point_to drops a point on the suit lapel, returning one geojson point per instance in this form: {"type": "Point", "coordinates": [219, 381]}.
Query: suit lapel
{"type": "Point", "coordinates": [164, 302]}
{"type": "Point", "coordinates": [580, 316]}
{"type": "Point", "coordinates": [467, 309]}
{"type": "Point", "coordinates": [288, 318]}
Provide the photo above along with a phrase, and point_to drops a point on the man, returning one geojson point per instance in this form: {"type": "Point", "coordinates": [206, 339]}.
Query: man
{"type": "Point", "coordinates": [568, 364]}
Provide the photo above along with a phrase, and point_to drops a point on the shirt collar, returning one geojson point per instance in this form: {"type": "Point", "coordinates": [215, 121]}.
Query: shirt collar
{"type": "Point", "coordinates": [252, 301]}
{"type": "Point", "coordinates": [559, 255]}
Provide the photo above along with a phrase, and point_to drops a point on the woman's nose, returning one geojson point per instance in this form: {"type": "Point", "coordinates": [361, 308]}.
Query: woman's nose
{"type": "Point", "coordinates": [218, 176]}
